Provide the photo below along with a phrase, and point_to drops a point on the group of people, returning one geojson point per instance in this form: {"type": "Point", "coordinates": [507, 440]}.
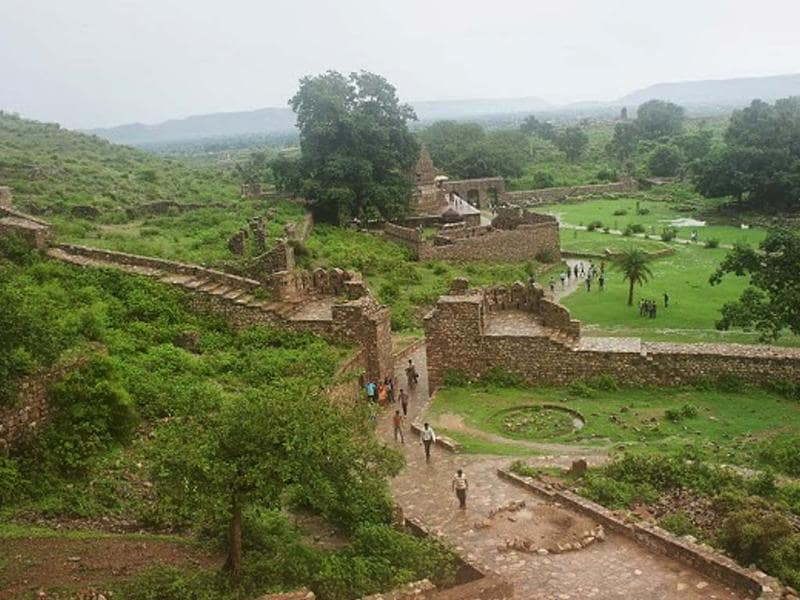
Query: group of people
{"type": "Point", "coordinates": [383, 394]}
{"type": "Point", "coordinates": [649, 308]}
{"type": "Point", "coordinates": [579, 270]}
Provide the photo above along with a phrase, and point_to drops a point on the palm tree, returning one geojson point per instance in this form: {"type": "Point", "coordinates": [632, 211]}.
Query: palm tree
{"type": "Point", "coordinates": [633, 264]}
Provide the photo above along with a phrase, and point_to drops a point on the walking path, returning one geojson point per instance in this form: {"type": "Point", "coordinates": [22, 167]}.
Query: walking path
{"type": "Point", "coordinates": [615, 568]}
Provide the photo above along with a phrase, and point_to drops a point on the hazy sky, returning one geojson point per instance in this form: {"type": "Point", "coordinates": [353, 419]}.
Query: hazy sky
{"type": "Point", "coordinates": [104, 62]}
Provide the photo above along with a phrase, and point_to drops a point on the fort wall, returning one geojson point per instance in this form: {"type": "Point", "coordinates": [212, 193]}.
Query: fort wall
{"type": "Point", "coordinates": [560, 194]}
{"type": "Point", "coordinates": [459, 338]}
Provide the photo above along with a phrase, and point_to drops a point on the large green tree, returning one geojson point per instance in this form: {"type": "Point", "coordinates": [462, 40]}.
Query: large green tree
{"type": "Point", "coordinates": [760, 161]}
{"type": "Point", "coordinates": [771, 303]}
{"type": "Point", "coordinates": [572, 141]}
{"type": "Point", "coordinates": [357, 151]}
{"type": "Point", "coordinates": [657, 118]}
{"type": "Point", "coordinates": [269, 448]}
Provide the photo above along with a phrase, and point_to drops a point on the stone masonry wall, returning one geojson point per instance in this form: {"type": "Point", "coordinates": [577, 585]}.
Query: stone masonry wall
{"type": "Point", "coordinates": [558, 194]}
{"type": "Point", "coordinates": [457, 339]}
{"type": "Point", "coordinates": [520, 244]}
{"type": "Point", "coordinates": [38, 233]}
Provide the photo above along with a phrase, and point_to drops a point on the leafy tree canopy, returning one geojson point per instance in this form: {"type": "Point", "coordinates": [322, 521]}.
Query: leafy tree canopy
{"type": "Point", "coordinates": [664, 161]}
{"type": "Point", "coordinates": [657, 118]}
{"type": "Point", "coordinates": [357, 150]}
{"type": "Point", "coordinates": [761, 159]}
{"type": "Point", "coordinates": [772, 302]}
{"type": "Point", "coordinates": [572, 141]}
{"type": "Point", "coordinates": [543, 129]}
{"type": "Point", "coordinates": [635, 270]}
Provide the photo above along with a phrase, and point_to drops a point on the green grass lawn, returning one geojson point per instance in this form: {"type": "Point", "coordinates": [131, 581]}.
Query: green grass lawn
{"type": "Point", "coordinates": [694, 303]}
{"type": "Point", "coordinates": [198, 236]}
{"type": "Point", "coordinates": [597, 242]}
{"type": "Point", "coordinates": [634, 419]}
{"type": "Point", "coordinates": [659, 214]}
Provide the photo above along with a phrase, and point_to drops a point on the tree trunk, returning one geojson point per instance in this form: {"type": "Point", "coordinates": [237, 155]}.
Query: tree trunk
{"type": "Point", "coordinates": [233, 564]}
{"type": "Point", "coordinates": [630, 294]}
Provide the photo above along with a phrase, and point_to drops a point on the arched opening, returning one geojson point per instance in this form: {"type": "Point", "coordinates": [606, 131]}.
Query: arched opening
{"type": "Point", "coordinates": [474, 198]}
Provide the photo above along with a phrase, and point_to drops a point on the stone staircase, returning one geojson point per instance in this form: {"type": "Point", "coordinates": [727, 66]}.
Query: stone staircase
{"type": "Point", "coordinates": [224, 287]}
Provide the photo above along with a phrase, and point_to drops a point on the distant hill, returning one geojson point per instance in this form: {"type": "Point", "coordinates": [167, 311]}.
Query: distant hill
{"type": "Point", "coordinates": [280, 121]}
{"type": "Point", "coordinates": [721, 92]}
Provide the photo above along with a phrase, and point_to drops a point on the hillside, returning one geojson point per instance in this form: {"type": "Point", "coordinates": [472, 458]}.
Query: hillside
{"type": "Point", "coordinates": [722, 92]}
{"type": "Point", "coordinates": [53, 170]}
{"type": "Point", "coordinates": [280, 121]}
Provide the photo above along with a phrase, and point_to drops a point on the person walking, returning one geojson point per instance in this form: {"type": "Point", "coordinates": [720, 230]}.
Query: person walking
{"type": "Point", "coordinates": [397, 421]}
{"type": "Point", "coordinates": [383, 394]}
{"type": "Point", "coordinates": [602, 281]}
{"type": "Point", "coordinates": [589, 283]}
{"type": "Point", "coordinates": [389, 381]}
{"type": "Point", "coordinates": [460, 487]}
{"type": "Point", "coordinates": [575, 270]}
{"type": "Point", "coordinates": [411, 374]}
{"type": "Point", "coordinates": [428, 438]}
{"type": "Point", "coordinates": [552, 286]}
{"type": "Point", "coordinates": [403, 397]}
{"type": "Point", "coordinates": [372, 391]}
{"type": "Point", "coordinates": [666, 300]}
{"type": "Point", "coordinates": [563, 280]}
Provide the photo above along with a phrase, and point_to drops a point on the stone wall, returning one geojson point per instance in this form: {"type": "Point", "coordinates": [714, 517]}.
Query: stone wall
{"type": "Point", "coordinates": [520, 244]}
{"type": "Point", "coordinates": [481, 191]}
{"type": "Point", "coordinates": [33, 408]}
{"type": "Point", "coordinates": [36, 232]}
{"type": "Point", "coordinates": [459, 338]}
{"type": "Point", "coordinates": [559, 194]}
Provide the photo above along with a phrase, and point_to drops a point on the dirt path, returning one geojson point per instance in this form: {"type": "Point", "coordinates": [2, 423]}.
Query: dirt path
{"type": "Point", "coordinates": [616, 568]}
{"type": "Point", "coordinates": [29, 565]}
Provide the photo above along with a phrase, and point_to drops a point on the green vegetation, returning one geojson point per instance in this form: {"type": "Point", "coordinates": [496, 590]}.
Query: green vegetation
{"type": "Point", "coordinates": [718, 424]}
{"type": "Point", "coordinates": [408, 287]}
{"type": "Point", "coordinates": [215, 439]}
{"type": "Point", "coordinates": [356, 149]}
{"type": "Point", "coordinates": [632, 265]}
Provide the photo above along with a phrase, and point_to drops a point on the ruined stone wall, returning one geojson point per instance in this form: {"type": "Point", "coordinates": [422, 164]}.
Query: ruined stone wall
{"type": "Point", "coordinates": [33, 408]}
{"type": "Point", "coordinates": [428, 200]}
{"type": "Point", "coordinates": [457, 339]}
{"type": "Point", "coordinates": [36, 232]}
{"type": "Point", "coordinates": [520, 244]}
{"type": "Point", "coordinates": [295, 286]}
{"type": "Point", "coordinates": [513, 217]}
{"type": "Point", "coordinates": [278, 258]}
{"type": "Point", "coordinates": [559, 194]}
{"type": "Point", "coordinates": [487, 189]}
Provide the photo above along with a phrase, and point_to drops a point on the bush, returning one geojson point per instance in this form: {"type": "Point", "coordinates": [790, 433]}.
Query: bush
{"type": "Point", "coordinates": [750, 534]}
{"type": "Point", "coordinates": [543, 179]}
{"type": "Point", "coordinates": [520, 467]}
{"type": "Point", "coordinates": [620, 212]}
{"type": "Point", "coordinates": [607, 175]}
{"type": "Point", "coordinates": [581, 389]}
{"type": "Point", "coordinates": [676, 415]}
{"type": "Point", "coordinates": [781, 452]}
{"type": "Point", "coordinates": [664, 161]}
{"type": "Point", "coordinates": [500, 377]}
{"type": "Point", "coordinates": [594, 225]}
{"type": "Point", "coordinates": [616, 494]}
{"type": "Point", "coordinates": [455, 378]}
{"type": "Point", "coordinates": [606, 383]}
{"type": "Point", "coordinates": [783, 560]}
{"type": "Point", "coordinates": [668, 234]}
{"type": "Point", "coordinates": [174, 583]}
{"type": "Point", "coordinates": [643, 211]}
{"type": "Point", "coordinates": [546, 256]}
{"type": "Point", "coordinates": [679, 523]}
{"type": "Point", "coordinates": [711, 243]}
{"type": "Point", "coordinates": [606, 229]}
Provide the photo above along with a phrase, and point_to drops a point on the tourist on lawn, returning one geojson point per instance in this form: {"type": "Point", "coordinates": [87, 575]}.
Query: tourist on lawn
{"type": "Point", "coordinates": [411, 374]}
{"type": "Point", "coordinates": [569, 273]}
{"type": "Point", "coordinates": [582, 270]}
{"type": "Point", "coordinates": [653, 309]}
{"type": "Point", "coordinates": [589, 283]}
{"type": "Point", "coordinates": [552, 286]}
{"type": "Point", "coordinates": [372, 391]}
{"type": "Point", "coordinates": [666, 300]}
{"type": "Point", "coordinates": [694, 237]}
{"type": "Point", "coordinates": [602, 281]}
{"type": "Point", "coordinates": [428, 438]}
{"type": "Point", "coordinates": [397, 421]}
{"type": "Point", "coordinates": [602, 266]}
{"type": "Point", "coordinates": [563, 279]}
{"type": "Point", "coordinates": [460, 487]}
{"type": "Point", "coordinates": [403, 397]}
{"type": "Point", "coordinates": [575, 270]}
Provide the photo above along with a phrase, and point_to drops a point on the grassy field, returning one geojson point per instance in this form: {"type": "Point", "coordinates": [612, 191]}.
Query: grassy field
{"type": "Point", "coordinates": [198, 236]}
{"type": "Point", "coordinates": [694, 305]}
{"type": "Point", "coordinates": [725, 428]}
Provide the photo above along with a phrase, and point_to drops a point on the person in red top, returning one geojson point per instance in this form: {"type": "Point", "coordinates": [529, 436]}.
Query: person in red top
{"type": "Point", "coordinates": [397, 421]}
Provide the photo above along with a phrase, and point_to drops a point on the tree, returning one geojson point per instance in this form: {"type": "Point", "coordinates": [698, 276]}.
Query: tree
{"type": "Point", "coordinates": [760, 161]}
{"type": "Point", "coordinates": [254, 170]}
{"type": "Point", "coordinates": [633, 264]}
{"type": "Point", "coordinates": [572, 141]}
{"type": "Point", "coordinates": [770, 303]}
{"type": "Point", "coordinates": [664, 161]}
{"type": "Point", "coordinates": [542, 129]}
{"type": "Point", "coordinates": [623, 144]}
{"type": "Point", "coordinates": [356, 148]}
{"type": "Point", "coordinates": [267, 449]}
{"type": "Point", "coordinates": [656, 118]}
{"type": "Point", "coordinates": [696, 145]}
{"type": "Point", "coordinates": [623, 113]}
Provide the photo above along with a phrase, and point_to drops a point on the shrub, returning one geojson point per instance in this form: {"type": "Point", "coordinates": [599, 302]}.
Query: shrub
{"type": "Point", "coordinates": [455, 378]}
{"type": "Point", "coordinates": [543, 179]}
{"type": "Point", "coordinates": [581, 389]}
{"type": "Point", "coordinates": [679, 523]}
{"type": "Point", "coordinates": [620, 212]}
{"type": "Point", "coordinates": [606, 229]}
{"type": "Point", "coordinates": [729, 383]}
{"type": "Point", "coordinates": [783, 560]}
{"type": "Point", "coordinates": [616, 494]}
{"type": "Point", "coordinates": [643, 211]}
{"type": "Point", "coordinates": [664, 161]}
{"type": "Point", "coordinates": [520, 467]}
{"type": "Point", "coordinates": [632, 228]}
{"type": "Point", "coordinates": [668, 234]}
{"type": "Point", "coordinates": [750, 534]}
{"type": "Point", "coordinates": [711, 243]}
{"type": "Point", "coordinates": [607, 175]}
{"type": "Point", "coordinates": [787, 389]}
{"type": "Point", "coordinates": [676, 415]}
{"type": "Point", "coordinates": [594, 225]}
{"type": "Point", "coordinates": [157, 583]}
{"type": "Point", "coordinates": [546, 256]}
{"type": "Point", "coordinates": [781, 452]}
{"type": "Point", "coordinates": [500, 377]}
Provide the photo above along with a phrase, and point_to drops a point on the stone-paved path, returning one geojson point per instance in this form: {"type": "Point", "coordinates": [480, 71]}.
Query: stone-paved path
{"type": "Point", "coordinates": [616, 568]}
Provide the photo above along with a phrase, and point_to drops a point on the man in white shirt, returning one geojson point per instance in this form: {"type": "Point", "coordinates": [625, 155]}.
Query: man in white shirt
{"type": "Point", "coordinates": [428, 438]}
{"type": "Point", "coordinates": [460, 486]}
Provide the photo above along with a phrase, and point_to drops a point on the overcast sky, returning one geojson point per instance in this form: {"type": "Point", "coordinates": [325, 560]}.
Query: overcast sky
{"type": "Point", "coordinates": [88, 63]}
